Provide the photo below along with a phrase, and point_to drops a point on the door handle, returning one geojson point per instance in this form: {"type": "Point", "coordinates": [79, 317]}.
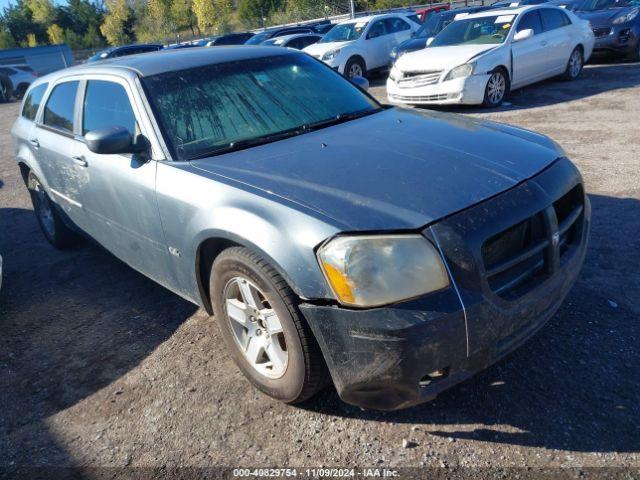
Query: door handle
{"type": "Point", "coordinates": [80, 161]}
{"type": "Point", "coordinates": [35, 143]}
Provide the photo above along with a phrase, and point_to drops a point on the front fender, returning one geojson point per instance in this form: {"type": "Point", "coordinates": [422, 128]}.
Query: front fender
{"type": "Point", "coordinates": [196, 206]}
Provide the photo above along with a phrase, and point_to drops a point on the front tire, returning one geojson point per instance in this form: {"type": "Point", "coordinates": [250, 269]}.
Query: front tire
{"type": "Point", "coordinates": [355, 67]}
{"type": "Point", "coordinates": [497, 89]}
{"type": "Point", "coordinates": [51, 224]}
{"type": "Point", "coordinates": [574, 65]}
{"type": "Point", "coordinates": [263, 329]}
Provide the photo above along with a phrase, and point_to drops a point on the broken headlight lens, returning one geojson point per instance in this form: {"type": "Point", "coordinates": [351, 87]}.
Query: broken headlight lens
{"type": "Point", "coordinates": [369, 271]}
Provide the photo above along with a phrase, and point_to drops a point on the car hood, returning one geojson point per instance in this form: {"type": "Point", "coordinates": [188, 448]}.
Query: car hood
{"type": "Point", "coordinates": [319, 49]}
{"type": "Point", "coordinates": [412, 44]}
{"type": "Point", "coordinates": [441, 58]}
{"type": "Point", "coordinates": [396, 169]}
{"type": "Point", "coordinates": [603, 17]}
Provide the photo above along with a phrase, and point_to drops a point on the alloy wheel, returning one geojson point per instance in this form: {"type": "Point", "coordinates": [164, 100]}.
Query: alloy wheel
{"type": "Point", "coordinates": [575, 63]}
{"type": "Point", "coordinates": [256, 328]}
{"type": "Point", "coordinates": [496, 88]}
{"type": "Point", "coordinates": [355, 70]}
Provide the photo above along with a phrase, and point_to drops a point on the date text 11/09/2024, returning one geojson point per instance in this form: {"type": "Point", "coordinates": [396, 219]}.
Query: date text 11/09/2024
{"type": "Point", "coordinates": [372, 472]}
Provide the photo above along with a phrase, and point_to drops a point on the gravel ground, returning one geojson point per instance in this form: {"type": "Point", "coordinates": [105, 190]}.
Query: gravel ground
{"type": "Point", "coordinates": [100, 367]}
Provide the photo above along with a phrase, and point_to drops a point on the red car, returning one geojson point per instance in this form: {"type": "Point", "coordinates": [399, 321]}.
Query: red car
{"type": "Point", "coordinates": [425, 13]}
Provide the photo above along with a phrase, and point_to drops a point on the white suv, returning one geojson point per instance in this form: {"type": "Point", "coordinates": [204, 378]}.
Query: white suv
{"type": "Point", "coordinates": [360, 45]}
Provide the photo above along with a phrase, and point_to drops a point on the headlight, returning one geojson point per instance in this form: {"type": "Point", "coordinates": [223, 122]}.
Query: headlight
{"type": "Point", "coordinates": [394, 73]}
{"type": "Point", "coordinates": [626, 17]}
{"type": "Point", "coordinates": [369, 271]}
{"type": "Point", "coordinates": [330, 55]}
{"type": "Point", "coordinates": [461, 71]}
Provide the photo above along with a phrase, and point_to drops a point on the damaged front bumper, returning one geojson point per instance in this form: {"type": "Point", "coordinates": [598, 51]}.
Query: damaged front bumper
{"type": "Point", "coordinates": [404, 354]}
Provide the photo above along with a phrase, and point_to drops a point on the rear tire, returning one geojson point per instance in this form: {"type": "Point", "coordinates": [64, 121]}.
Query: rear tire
{"type": "Point", "coordinates": [266, 335]}
{"type": "Point", "coordinates": [574, 65]}
{"type": "Point", "coordinates": [6, 89]}
{"type": "Point", "coordinates": [635, 55]}
{"type": "Point", "coordinates": [497, 88]}
{"type": "Point", "coordinates": [355, 67]}
{"type": "Point", "coordinates": [50, 221]}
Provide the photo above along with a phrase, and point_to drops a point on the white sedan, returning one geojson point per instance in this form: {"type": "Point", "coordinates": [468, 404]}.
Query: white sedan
{"type": "Point", "coordinates": [355, 47]}
{"type": "Point", "coordinates": [480, 57]}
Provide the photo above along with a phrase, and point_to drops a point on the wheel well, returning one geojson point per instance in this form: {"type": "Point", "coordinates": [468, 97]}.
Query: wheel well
{"type": "Point", "coordinates": [580, 47]}
{"type": "Point", "coordinates": [506, 71]}
{"type": "Point", "coordinates": [357, 57]}
{"type": "Point", "coordinates": [24, 171]}
{"type": "Point", "coordinates": [207, 252]}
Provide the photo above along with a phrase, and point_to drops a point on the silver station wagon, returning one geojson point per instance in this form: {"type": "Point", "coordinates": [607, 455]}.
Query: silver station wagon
{"type": "Point", "coordinates": [334, 239]}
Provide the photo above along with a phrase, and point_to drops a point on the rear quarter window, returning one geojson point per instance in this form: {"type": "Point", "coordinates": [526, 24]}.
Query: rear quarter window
{"type": "Point", "coordinates": [552, 18]}
{"type": "Point", "coordinates": [32, 101]}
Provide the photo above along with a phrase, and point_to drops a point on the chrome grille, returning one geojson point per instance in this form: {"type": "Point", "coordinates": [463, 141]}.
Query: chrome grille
{"type": "Point", "coordinates": [601, 31]}
{"type": "Point", "coordinates": [418, 78]}
{"type": "Point", "coordinates": [422, 98]}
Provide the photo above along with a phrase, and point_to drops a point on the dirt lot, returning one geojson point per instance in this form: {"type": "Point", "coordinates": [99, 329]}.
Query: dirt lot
{"type": "Point", "coordinates": [99, 366]}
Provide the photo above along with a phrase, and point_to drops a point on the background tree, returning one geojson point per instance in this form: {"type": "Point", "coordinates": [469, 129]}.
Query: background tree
{"type": "Point", "coordinates": [42, 12]}
{"type": "Point", "coordinates": [56, 34]}
{"type": "Point", "coordinates": [6, 39]}
{"type": "Point", "coordinates": [31, 40]}
{"type": "Point", "coordinates": [212, 16]}
{"type": "Point", "coordinates": [116, 27]}
{"type": "Point", "coordinates": [254, 13]}
{"type": "Point", "coordinates": [183, 16]}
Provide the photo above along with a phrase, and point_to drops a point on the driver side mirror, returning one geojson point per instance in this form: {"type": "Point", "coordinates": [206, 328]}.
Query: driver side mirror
{"type": "Point", "coordinates": [523, 35]}
{"type": "Point", "coordinates": [113, 140]}
{"type": "Point", "coordinates": [429, 40]}
{"type": "Point", "coordinates": [361, 82]}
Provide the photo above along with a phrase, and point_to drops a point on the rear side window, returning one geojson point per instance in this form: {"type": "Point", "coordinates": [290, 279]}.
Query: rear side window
{"type": "Point", "coordinates": [552, 19]}
{"type": "Point", "coordinates": [395, 25]}
{"type": "Point", "coordinates": [106, 104]}
{"type": "Point", "coordinates": [58, 112]}
{"type": "Point", "coordinates": [531, 20]}
{"type": "Point", "coordinates": [377, 29]}
{"type": "Point", "coordinates": [32, 102]}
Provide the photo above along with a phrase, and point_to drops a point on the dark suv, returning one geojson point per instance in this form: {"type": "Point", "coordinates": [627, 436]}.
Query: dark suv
{"type": "Point", "coordinates": [114, 52]}
{"type": "Point", "coordinates": [615, 24]}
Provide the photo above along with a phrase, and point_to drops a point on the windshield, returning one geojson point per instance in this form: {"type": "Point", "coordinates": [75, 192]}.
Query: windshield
{"type": "Point", "coordinates": [102, 54]}
{"type": "Point", "coordinates": [344, 32]}
{"type": "Point", "coordinates": [475, 31]}
{"type": "Point", "coordinates": [218, 108]}
{"type": "Point", "coordinates": [591, 5]}
{"type": "Point", "coordinates": [433, 25]}
{"type": "Point", "coordinates": [258, 38]}
{"type": "Point", "coordinates": [273, 41]}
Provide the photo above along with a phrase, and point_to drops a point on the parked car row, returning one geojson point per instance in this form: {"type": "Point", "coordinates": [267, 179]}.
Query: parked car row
{"type": "Point", "coordinates": [472, 55]}
{"type": "Point", "coordinates": [480, 57]}
{"type": "Point", "coordinates": [14, 81]}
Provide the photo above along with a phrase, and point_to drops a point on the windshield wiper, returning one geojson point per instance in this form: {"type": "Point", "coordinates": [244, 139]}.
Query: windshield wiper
{"type": "Point", "coordinates": [340, 118]}
{"type": "Point", "coordinates": [248, 142]}
{"type": "Point", "coordinates": [274, 137]}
